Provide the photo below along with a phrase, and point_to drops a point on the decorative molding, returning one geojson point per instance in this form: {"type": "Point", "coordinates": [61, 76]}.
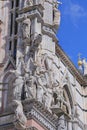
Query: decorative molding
{"type": "Point", "coordinates": [85, 110]}
{"type": "Point", "coordinates": [33, 110]}
{"type": "Point", "coordinates": [31, 128]}
{"type": "Point", "coordinates": [80, 123]}
{"type": "Point", "coordinates": [31, 14]}
{"type": "Point", "coordinates": [32, 8]}
{"type": "Point", "coordinates": [65, 59]}
{"type": "Point", "coordinates": [37, 111]}
{"type": "Point", "coordinates": [42, 119]}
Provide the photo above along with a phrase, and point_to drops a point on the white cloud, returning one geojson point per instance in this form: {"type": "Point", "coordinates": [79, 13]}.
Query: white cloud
{"type": "Point", "coordinates": [75, 12]}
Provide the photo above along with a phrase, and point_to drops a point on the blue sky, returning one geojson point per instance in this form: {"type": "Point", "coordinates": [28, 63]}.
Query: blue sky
{"type": "Point", "coordinates": [72, 33]}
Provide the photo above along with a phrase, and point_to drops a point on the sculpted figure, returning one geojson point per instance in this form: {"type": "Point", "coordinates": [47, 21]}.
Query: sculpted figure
{"type": "Point", "coordinates": [30, 87]}
{"type": "Point", "coordinates": [46, 63]}
{"type": "Point", "coordinates": [20, 66]}
{"type": "Point", "coordinates": [41, 85]}
{"type": "Point", "coordinates": [20, 119]}
{"type": "Point", "coordinates": [28, 3]}
{"type": "Point", "coordinates": [26, 29]}
{"type": "Point", "coordinates": [30, 64]}
{"type": "Point", "coordinates": [56, 17]}
{"type": "Point", "coordinates": [48, 98]}
{"type": "Point", "coordinates": [18, 85]}
{"type": "Point", "coordinates": [85, 66]}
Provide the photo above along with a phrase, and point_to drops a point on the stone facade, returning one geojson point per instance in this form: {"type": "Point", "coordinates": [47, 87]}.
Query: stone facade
{"type": "Point", "coordinates": [40, 88]}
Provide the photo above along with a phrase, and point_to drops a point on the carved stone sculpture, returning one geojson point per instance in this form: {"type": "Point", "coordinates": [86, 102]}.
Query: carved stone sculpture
{"type": "Point", "coordinates": [48, 98]}
{"type": "Point", "coordinates": [30, 65]}
{"type": "Point", "coordinates": [37, 40]}
{"type": "Point", "coordinates": [20, 66]}
{"type": "Point", "coordinates": [20, 119]}
{"type": "Point", "coordinates": [30, 87]}
{"type": "Point", "coordinates": [26, 29]}
{"type": "Point", "coordinates": [46, 64]}
{"type": "Point", "coordinates": [56, 16]}
{"type": "Point", "coordinates": [41, 85]}
{"type": "Point", "coordinates": [18, 85]}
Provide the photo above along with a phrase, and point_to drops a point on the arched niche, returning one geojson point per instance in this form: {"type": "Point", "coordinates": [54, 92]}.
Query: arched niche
{"type": "Point", "coordinates": [68, 97]}
{"type": "Point", "coordinates": [8, 87]}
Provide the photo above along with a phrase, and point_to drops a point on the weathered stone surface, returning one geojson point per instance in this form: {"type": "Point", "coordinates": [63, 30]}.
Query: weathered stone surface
{"type": "Point", "coordinates": [37, 70]}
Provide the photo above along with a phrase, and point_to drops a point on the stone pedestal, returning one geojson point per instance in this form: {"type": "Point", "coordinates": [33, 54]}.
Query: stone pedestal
{"type": "Point", "coordinates": [38, 118]}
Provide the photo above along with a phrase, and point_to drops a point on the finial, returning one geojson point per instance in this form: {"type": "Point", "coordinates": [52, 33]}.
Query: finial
{"type": "Point", "coordinates": [79, 60]}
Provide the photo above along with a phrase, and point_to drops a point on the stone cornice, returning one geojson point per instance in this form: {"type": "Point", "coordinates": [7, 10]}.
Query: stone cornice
{"type": "Point", "coordinates": [31, 14]}
{"type": "Point", "coordinates": [68, 63]}
{"type": "Point", "coordinates": [30, 8]}
{"type": "Point", "coordinates": [40, 109]}
{"type": "Point", "coordinates": [31, 128]}
{"type": "Point", "coordinates": [34, 110]}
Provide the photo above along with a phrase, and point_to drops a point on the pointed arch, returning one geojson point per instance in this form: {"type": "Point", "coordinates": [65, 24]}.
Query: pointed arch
{"type": "Point", "coordinates": [68, 95]}
{"type": "Point", "coordinates": [7, 93]}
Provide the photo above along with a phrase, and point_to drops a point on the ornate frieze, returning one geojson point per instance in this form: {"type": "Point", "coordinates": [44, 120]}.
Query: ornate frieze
{"type": "Point", "coordinates": [44, 121]}
{"type": "Point", "coordinates": [31, 128]}
{"type": "Point", "coordinates": [38, 112]}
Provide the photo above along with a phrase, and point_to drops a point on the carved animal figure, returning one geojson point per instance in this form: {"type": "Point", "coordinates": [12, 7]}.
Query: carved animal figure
{"type": "Point", "coordinates": [20, 118]}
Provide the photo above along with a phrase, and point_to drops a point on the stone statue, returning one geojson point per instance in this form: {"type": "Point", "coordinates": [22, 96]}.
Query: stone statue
{"type": "Point", "coordinates": [26, 29]}
{"type": "Point", "coordinates": [37, 40]}
{"type": "Point", "coordinates": [18, 85]}
{"type": "Point", "coordinates": [56, 16]}
{"type": "Point", "coordinates": [46, 63]}
{"type": "Point", "coordinates": [85, 66]}
{"type": "Point", "coordinates": [20, 66]}
{"type": "Point", "coordinates": [48, 98]}
{"type": "Point", "coordinates": [28, 3]}
{"type": "Point", "coordinates": [44, 93]}
{"type": "Point", "coordinates": [41, 85]}
{"type": "Point", "coordinates": [20, 119]}
{"type": "Point", "coordinates": [30, 65]}
{"type": "Point", "coordinates": [30, 87]}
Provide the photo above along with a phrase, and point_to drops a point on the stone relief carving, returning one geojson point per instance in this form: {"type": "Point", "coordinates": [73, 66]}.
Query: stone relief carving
{"type": "Point", "coordinates": [59, 100]}
{"type": "Point", "coordinates": [20, 66]}
{"type": "Point", "coordinates": [30, 87]}
{"type": "Point", "coordinates": [37, 81]}
{"type": "Point", "coordinates": [40, 81]}
{"type": "Point", "coordinates": [20, 119]}
{"type": "Point", "coordinates": [18, 85]}
{"type": "Point", "coordinates": [30, 64]}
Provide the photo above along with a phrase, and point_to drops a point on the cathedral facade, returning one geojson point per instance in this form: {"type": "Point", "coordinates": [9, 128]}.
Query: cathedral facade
{"type": "Point", "coordinates": [40, 88]}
